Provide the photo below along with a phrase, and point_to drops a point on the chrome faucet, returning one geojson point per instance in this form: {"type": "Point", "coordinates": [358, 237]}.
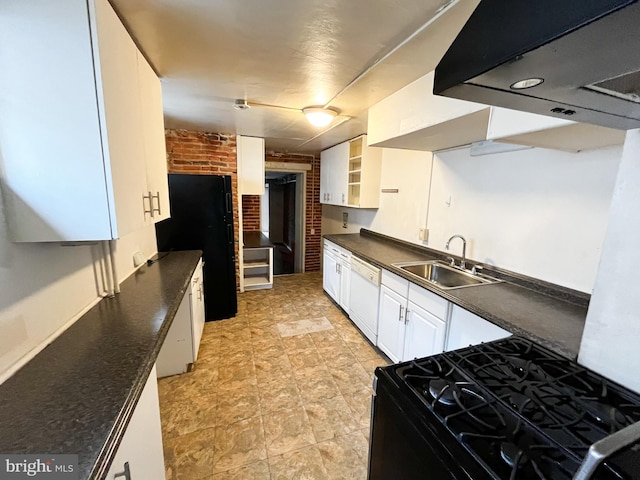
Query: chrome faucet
{"type": "Point", "coordinates": [464, 248]}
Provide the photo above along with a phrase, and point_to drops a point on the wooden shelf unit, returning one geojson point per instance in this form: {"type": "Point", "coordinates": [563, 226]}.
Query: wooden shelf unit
{"type": "Point", "coordinates": [257, 268]}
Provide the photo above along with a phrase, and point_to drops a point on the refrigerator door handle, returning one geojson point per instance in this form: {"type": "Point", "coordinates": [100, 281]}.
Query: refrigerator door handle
{"type": "Point", "coordinates": [230, 233]}
{"type": "Point", "coordinates": [228, 202]}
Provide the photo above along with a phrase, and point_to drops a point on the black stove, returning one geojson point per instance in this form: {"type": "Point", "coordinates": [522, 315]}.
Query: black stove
{"type": "Point", "coordinates": [508, 409]}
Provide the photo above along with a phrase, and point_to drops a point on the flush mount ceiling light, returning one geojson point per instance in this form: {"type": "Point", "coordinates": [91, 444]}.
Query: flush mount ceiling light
{"type": "Point", "coordinates": [320, 116]}
{"type": "Point", "coordinates": [527, 83]}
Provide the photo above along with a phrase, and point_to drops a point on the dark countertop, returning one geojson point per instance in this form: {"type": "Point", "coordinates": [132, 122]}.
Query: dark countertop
{"type": "Point", "coordinates": [78, 394]}
{"type": "Point", "coordinates": [550, 315]}
{"type": "Point", "coordinates": [253, 239]}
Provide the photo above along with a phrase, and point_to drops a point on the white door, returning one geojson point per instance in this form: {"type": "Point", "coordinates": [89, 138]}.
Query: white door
{"type": "Point", "coordinates": [140, 451]}
{"type": "Point", "coordinates": [391, 323]}
{"type": "Point", "coordinates": [122, 113]}
{"type": "Point", "coordinates": [330, 276]}
{"type": "Point", "coordinates": [468, 329]}
{"type": "Point", "coordinates": [154, 141]}
{"type": "Point", "coordinates": [424, 333]}
{"type": "Point", "coordinates": [196, 298]}
{"type": "Point", "coordinates": [345, 284]}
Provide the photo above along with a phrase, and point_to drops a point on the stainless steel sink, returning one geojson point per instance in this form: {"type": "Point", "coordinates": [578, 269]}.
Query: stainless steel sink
{"type": "Point", "coordinates": [445, 276]}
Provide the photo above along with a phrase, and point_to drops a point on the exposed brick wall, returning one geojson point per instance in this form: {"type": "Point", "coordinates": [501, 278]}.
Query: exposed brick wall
{"type": "Point", "coordinates": [206, 154]}
{"type": "Point", "coordinates": [251, 212]}
{"type": "Point", "coordinates": [313, 208]}
{"type": "Point", "coordinates": [215, 154]}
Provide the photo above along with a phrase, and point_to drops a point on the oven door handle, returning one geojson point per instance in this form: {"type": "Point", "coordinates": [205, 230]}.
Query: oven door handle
{"type": "Point", "coordinates": [603, 449]}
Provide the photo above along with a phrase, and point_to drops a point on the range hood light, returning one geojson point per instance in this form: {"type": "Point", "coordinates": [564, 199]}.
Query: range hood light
{"type": "Point", "coordinates": [526, 83]}
{"type": "Point", "coordinates": [319, 116]}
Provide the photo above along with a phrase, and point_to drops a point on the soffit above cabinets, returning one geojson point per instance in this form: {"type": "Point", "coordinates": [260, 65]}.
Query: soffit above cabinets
{"type": "Point", "coordinates": [288, 54]}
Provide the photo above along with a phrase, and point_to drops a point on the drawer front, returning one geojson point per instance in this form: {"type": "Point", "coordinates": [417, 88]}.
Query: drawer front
{"type": "Point", "coordinates": [339, 252]}
{"type": "Point", "coordinates": [396, 283]}
{"type": "Point", "coordinates": [432, 303]}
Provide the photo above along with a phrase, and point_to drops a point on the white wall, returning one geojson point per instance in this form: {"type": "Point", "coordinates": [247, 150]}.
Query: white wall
{"type": "Point", "coordinates": [400, 214]}
{"type": "Point", "coordinates": [539, 212]}
{"type": "Point", "coordinates": [610, 338]}
{"type": "Point", "coordinates": [44, 286]}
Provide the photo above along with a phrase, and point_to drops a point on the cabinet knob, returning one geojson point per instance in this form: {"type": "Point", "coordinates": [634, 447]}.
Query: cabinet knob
{"type": "Point", "coordinates": [126, 473]}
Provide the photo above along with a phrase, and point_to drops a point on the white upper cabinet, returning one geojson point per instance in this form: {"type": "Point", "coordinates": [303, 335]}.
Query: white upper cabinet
{"type": "Point", "coordinates": [155, 147]}
{"type": "Point", "coordinates": [251, 165]}
{"type": "Point", "coordinates": [81, 137]}
{"type": "Point", "coordinates": [350, 174]}
{"type": "Point", "coordinates": [334, 171]}
{"type": "Point", "coordinates": [416, 119]}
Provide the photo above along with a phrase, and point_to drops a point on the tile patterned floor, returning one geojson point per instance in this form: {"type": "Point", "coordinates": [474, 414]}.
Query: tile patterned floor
{"type": "Point", "coordinates": [267, 402]}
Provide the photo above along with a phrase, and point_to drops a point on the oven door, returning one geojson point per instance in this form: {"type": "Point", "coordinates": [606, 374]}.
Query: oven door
{"type": "Point", "coordinates": [402, 447]}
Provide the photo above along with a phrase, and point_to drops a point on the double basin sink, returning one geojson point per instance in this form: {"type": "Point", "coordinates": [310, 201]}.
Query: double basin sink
{"type": "Point", "coordinates": [445, 276]}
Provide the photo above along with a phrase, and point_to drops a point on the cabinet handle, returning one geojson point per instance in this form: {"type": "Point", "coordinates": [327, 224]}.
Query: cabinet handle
{"type": "Point", "coordinates": [400, 315]}
{"type": "Point", "coordinates": [343, 198]}
{"type": "Point", "coordinates": [126, 473]}
{"type": "Point", "coordinates": [157, 197]}
{"type": "Point", "coordinates": [339, 268]}
{"type": "Point", "coordinates": [148, 197]}
{"type": "Point", "coordinates": [406, 317]}
{"type": "Point", "coordinates": [200, 292]}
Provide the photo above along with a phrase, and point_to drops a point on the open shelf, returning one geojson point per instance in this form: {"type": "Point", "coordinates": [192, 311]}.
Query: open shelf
{"type": "Point", "coordinates": [257, 267]}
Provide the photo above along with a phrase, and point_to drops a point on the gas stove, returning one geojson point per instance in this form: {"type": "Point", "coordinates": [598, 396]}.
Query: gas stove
{"type": "Point", "coordinates": [512, 409]}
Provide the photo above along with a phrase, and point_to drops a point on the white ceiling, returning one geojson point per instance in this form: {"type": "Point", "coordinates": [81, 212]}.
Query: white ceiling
{"type": "Point", "coordinates": [286, 53]}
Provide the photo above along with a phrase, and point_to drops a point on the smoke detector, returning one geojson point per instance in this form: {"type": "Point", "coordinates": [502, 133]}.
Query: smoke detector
{"type": "Point", "coordinates": [241, 104]}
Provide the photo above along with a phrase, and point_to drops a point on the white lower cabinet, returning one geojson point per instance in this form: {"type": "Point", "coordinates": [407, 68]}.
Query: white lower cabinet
{"type": "Point", "coordinates": [140, 455]}
{"type": "Point", "coordinates": [466, 328]}
{"type": "Point", "coordinates": [196, 301]}
{"type": "Point", "coordinates": [412, 321]}
{"type": "Point", "coordinates": [336, 273]}
{"type": "Point", "coordinates": [390, 323]}
{"type": "Point", "coordinates": [424, 334]}
{"type": "Point", "coordinates": [180, 347]}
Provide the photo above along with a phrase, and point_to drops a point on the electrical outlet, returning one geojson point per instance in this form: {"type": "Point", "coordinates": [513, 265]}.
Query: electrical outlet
{"type": "Point", "coordinates": [138, 259]}
{"type": "Point", "coordinates": [423, 234]}
{"type": "Point", "coordinates": [313, 231]}
{"type": "Point", "coordinates": [345, 219]}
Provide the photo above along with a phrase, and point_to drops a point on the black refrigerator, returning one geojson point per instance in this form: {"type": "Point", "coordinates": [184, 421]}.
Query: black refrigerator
{"type": "Point", "coordinates": [202, 219]}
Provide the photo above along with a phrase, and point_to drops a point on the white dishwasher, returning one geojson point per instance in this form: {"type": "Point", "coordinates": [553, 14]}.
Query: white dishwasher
{"type": "Point", "coordinates": [363, 301]}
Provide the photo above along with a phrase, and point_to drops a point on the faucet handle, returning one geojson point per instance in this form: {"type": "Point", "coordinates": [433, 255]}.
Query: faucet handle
{"type": "Point", "coordinates": [452, 261]}
{"type": "Point", "coordinates": [476, 269]}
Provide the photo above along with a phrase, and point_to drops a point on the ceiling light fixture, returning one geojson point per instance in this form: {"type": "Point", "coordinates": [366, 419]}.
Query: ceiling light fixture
{"type": "Point", "coordinates": [320, 116]}
{"type": "Point", "coordinates": [241, 104]}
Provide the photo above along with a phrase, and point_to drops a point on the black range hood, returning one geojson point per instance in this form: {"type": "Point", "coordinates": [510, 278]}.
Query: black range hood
{"type": "Point", "coordinates": [572, 59]}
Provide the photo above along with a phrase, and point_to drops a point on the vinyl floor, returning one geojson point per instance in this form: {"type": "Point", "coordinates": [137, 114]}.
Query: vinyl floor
{"type": "Point", "coordinates": [280, 392]}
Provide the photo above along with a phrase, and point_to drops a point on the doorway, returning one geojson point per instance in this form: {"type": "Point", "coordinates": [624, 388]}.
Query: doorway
{"type": "Point", "coordinates": [282, 217]}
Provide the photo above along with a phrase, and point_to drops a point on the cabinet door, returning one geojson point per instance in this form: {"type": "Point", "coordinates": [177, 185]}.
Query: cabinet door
{"type": "Point", "coordinates": [330, 276]}
{"type": "Point", "coordinates": [345, 284]}
{"type": "Point", "coordinates": [155, 150]}
{"type": "Point", "coordinates": [339, 175]}
{"type": "Point", "coordinates": [140, 451]}
{"type": "Point", "coordinates": [177, 352]}
{"type": "Point", "coordinates": [391, 325]}
{"type": "Point", "coordinates": [52, 166]}
{"type": "Point", "coordinates": [466, 329]}
{"type": "Point", "coordinates": [121, 118]}
{"type": "Point", "coordinates": [334, 173]}
{"type": "Point", "coordinates": [251, 165]}
{"type": "Point", "coordinates": [424, 333]}
{"type": "Point", "coordinates": [196, 300]}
